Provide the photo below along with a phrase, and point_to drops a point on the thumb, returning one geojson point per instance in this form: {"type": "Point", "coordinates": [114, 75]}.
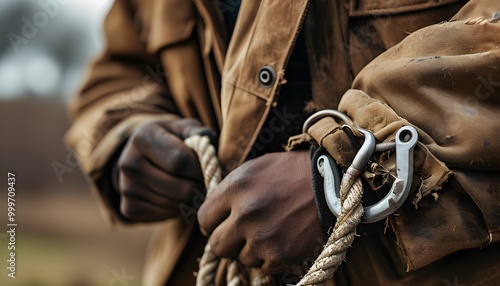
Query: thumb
{"type": "Point", "coordinates": [186, 127]}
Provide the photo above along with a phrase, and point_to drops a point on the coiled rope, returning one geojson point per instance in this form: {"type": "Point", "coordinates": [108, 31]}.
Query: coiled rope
{"type": "Point", "coordinates": [343, 234]}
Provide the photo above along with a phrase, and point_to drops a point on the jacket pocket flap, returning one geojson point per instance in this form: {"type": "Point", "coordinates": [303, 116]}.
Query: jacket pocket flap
{"type": "Point", "coordinates": [369, 7]}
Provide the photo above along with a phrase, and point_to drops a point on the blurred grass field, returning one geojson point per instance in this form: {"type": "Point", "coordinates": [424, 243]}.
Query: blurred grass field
{"type": "Point", "coordinates": [61, 238]}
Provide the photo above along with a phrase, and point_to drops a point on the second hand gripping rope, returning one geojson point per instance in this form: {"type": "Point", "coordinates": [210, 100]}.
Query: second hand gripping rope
{"type": "Point", "coordinates": [236, 274]}
{"type": "Point", "coordinates": [350, 214]}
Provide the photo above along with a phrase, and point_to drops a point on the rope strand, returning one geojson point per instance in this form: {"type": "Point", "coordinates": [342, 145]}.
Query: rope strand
{"type": "Point", "coordinates": [343, 234]}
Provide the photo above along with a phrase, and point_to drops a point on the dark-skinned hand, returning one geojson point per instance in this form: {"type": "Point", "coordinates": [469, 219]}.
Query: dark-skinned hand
{"type": "Point", "coordinates": [157, 171]}
{"type": "Point", "coordinates": [263, 213]}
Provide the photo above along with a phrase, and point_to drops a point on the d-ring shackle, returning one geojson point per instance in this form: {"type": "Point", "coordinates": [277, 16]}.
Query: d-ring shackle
{"type": "Point", "coordinates": [406, 139]}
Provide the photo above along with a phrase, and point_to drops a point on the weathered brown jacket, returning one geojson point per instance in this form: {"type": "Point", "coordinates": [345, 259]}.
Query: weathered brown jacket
{"type": "Point", "coordinates": [443, 79]}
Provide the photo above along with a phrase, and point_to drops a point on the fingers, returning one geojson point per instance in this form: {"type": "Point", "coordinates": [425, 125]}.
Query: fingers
{"type": "Point", "coordinates": [181, 127]}
{"type": "Point", "coordinates": [216, 208]}
{"type": "Point", "coordinates": [186, 127]}
{"type": "Point", "coordinates": [171, 155]}
{"type": "Point", "coordinates": [275, 266]}
{"type": "Point", "coordinates": [161, 185]}
{"type": "Point", "coordinates": [148, 193]}
{"type": "Point", "coordinates": [164, 150]}
{"type": "Point", "coordinates": [139, 204]}
{"type": "Point", "coordinates": [136, 210]}
{"type": "Point", "coordinates": [248, 256]}
{"type": "Point", "coordinates": [171, 188]}
{"type": "Point", "coordinates": [157, 171]}
{"type": "Point", "coordinates": [227, 240]}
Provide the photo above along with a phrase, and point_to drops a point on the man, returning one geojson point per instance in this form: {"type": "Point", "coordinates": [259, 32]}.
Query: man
{"type": "Point", "coordinates": [173, 68]}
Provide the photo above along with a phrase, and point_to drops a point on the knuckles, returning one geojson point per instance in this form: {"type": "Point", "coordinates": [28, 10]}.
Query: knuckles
{"type": "Point", "coordinates": [237, 183]}
{"type": "Point", "coordinates": [142, 136]}
{"type": "Point", "coordinates": [220, 249]}
{"type": "Point", "coordinates": [277, 259]}
{"type": "Point", "coordinates": [130, 166]}
{"type": "Point", "coordinates": [249, 210]}
{"type": "Point", "coordinates": [151, 139]}
{"type": "Point", "coordinates": [136, 211]}
{"type": "Point", "coordinates": [270, 251]}
{"type": "Point", "coordinates": [178, 158]}
{"type": "Point", "coordinates": [132, 159]}
{"type": "Point", "coordinates": [128, 191]}
{"type": "Point", "coordinates": [184, 125]}
{"type": "Point", "coordinates": [273, 266]}
{"type": "Point", "coordinates": [130, 210]}
{"type": "Point", "coordinates": [154, 140]}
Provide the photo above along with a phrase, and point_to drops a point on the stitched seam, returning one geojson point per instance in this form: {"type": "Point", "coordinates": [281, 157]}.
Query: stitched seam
{"type": "Point", "coordinates": [356, 12]}
{"type": "Point", "coordinates": [250, 92]}
{"type": "Point", "coordinates": [331, 132]}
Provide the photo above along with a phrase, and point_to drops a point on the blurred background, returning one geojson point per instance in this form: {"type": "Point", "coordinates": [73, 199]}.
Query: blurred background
{"type": "Point", "coordinates": [61, 238]}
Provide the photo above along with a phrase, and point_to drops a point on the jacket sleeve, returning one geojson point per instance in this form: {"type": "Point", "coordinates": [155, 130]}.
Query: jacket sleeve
{"type": "Point", "coordinates": [124, 88]}
{"type": "Point", "coordinates": [444, 80]}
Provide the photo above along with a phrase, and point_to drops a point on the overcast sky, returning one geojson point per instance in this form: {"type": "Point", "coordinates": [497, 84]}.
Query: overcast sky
{"type": "Point", "coordinates": [45, 47]}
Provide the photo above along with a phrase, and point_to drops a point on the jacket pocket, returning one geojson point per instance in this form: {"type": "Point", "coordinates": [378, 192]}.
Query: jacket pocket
{"type": "Point", "coordinates": [376, 26]}
{"type": "Point", "coordinates": [370, 7]}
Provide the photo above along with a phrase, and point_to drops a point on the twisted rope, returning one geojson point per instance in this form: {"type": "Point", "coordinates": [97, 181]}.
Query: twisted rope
{"type": "Point", "coordinates": [236, 274]}
{"type": "Point", "coordinates": [344, 232]}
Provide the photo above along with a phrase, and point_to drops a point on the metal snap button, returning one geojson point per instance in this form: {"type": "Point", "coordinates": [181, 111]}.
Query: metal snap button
{"type": "Point", "coordinates": [267, 76]}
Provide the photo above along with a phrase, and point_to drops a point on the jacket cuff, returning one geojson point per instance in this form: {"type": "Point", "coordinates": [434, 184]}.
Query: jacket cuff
{"type": "Point", "coordinates": [98, 162]}
{"type": "Point", "coordinates": [326, 217]}
{"type": "Point", "coordinates": [107, 184]}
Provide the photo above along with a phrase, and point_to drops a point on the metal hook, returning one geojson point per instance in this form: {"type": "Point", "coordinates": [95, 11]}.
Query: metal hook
{"type": "Point", "coordinates": [324, 113]}
{"type": "Point", "coordinates": [406, 139]}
